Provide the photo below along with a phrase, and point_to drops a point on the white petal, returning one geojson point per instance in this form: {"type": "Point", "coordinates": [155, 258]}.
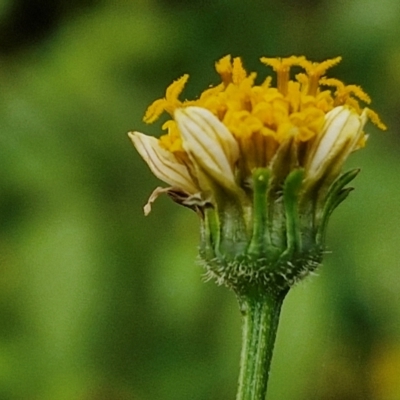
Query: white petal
{"type": "Point", "coordinates": [342, 128]}
{"type": "Point", "coordinates": [209, 143]}
{"type": "Point", "coordinates": [163, 163]}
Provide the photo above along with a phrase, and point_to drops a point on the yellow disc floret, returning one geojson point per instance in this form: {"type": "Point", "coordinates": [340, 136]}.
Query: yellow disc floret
{"type": "Point", "coordinates": [261, 117]}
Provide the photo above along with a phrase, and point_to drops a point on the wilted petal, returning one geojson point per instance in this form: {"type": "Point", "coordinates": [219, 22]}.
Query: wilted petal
{"type": "Point", "coordinates": [209, 143]}
{"type": "Point", "coordinates": [163, 163]}
{"type": "Point", "coordinates": [341, 132]}
{"type": "Point", "coordinates": [153, 197]}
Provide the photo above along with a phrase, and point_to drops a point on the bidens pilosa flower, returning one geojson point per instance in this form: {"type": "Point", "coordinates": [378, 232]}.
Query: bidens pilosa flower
{"type": "Point", "coordinates": [261, 165]}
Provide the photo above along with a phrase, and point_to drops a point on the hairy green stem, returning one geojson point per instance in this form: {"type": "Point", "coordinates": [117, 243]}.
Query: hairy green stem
{"type": "Point", "coordinates": [260, 324]}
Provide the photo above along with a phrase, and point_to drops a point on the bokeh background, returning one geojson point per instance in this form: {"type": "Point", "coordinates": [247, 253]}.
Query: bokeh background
{"type": "Point", "coordinates": [98, 302]}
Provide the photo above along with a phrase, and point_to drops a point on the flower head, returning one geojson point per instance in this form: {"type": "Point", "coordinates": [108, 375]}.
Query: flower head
{"type": "Point", "coordinates": [260, 162]}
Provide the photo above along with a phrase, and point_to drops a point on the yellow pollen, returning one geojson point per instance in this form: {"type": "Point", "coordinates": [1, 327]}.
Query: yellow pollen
{"type": "Point", "coordinates": [261, 116]}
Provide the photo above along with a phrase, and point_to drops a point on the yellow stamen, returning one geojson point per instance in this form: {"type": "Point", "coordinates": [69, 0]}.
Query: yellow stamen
{"type": "Point", "coordinates": [172, 140]}
{"type": "Point", "coordinates": [282, 68]}
{"type": "Point", "coordinates": [169, 103]}
{"type": "Point", "coordinates": [224, 69]}
{"type": "Point", "coordinates": [316, 70]}
{"type": "Point", "coordinates": [154, 110]}
{"type": "Point", "coordinates": [344, 92]}
{"type": "Point", "coordinates": [238, 72]}
{"type": "Point", "coordinates": [175, 89]}
{"type": "Point", "coordinates": [374, 117]}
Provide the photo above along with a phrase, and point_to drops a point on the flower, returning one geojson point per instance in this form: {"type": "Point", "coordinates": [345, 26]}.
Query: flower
{"type": "Point", "coordinates": [260, 163]}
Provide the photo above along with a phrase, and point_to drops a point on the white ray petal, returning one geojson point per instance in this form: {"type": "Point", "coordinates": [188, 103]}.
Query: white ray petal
{"type": "Point", "coordinates": [342, 128]}
{"type": "Point", "coordinates": [163, 163]}
{"type": "Point", "coordinates": [209, 143]}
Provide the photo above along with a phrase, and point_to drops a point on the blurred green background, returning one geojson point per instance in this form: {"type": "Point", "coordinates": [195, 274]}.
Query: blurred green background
{"type": "Point", "coordinates": [98, 302]}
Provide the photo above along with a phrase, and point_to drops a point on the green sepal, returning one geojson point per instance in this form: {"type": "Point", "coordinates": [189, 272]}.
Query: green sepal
{"type": "Point", "coordinates": [342, 195]}
{"type": "Point", "coordinates": [291, 191]}
{"type": "Point", "coordinates": [233, 237]}
{"type": "Point", "coordinates": [336, 194]}
{"type": "Point", "coordinates": [211, 234]}
{"type": "Point", "coordinates": [260, 235]}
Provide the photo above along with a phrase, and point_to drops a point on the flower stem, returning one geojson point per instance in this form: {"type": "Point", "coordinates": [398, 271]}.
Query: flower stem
{"type": "Point", "coordinates": [260, 324]}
